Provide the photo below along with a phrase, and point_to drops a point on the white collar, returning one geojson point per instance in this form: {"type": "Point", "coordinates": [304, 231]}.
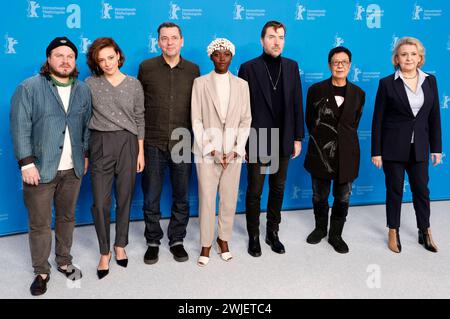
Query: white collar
{"type": "Point", "coordinates": [422, 75]}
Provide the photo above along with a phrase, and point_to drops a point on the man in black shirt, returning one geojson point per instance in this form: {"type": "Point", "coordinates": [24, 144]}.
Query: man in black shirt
{"type": "Point", "coordinates": [167, 81]}
{"type": "Point", "coordinates": [277, 126]}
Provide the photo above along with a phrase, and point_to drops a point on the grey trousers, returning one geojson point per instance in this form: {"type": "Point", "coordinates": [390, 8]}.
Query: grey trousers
{"type": "Point", "coordinates": [113, 158]}
{"type": "Point", "coordinates": [63, 192]}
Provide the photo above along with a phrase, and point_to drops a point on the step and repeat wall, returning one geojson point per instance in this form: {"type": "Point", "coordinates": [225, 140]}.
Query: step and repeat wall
{"type": "Point", "coordinates": [369, 28]}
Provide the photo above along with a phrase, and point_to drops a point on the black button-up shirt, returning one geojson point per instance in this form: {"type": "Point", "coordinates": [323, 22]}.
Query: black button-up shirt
{"type": "Point", "coordinates": [167, 99]}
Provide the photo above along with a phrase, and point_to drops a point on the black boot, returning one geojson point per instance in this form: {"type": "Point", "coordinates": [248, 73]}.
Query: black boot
{"type": "Point", "coordinates": [426, 240]}
{"type": "Point", "coordinates": [254, 247]}
{"type": "Point", "coordinates": [274, 242]}
{"type": "Point", "coordinates": [320, 231]}
{"type": "Point", "coordinates": [334, 236]}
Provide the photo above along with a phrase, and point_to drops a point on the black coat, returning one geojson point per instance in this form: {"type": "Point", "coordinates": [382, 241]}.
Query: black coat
{"type": "Point", "coordinates": [394, 122]}
{"type": "Point", "coordinates": [255, 73]}
{"type": "Point", "coordinates": [333, 147]}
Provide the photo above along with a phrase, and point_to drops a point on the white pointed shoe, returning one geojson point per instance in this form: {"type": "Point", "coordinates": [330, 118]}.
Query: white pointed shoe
{"type": "Point", "coordinates": [202, 261]}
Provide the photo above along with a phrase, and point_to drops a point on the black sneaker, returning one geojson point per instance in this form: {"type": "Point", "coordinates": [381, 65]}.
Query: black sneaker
{"type": "Point", "coordinates": [151, 255]}
{"type": "Point", "coordinates": [179, 253]}
{"type": "Point", "coordinates": [39, 285]}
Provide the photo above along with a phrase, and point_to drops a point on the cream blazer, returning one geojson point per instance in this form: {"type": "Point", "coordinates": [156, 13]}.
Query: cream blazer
{"type": "Point", "coordinates": [211, 131]}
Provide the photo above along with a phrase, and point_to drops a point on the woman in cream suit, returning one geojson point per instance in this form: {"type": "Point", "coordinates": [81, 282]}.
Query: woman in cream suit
{"type": "Point", "coordinates": [221, 119]}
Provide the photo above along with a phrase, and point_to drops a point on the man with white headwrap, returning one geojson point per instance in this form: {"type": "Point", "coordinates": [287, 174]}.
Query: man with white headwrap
{"type": "Point", "coordinates": [221, 119]}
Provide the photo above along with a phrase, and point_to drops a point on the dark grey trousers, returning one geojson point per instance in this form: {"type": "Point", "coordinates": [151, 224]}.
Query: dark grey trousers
{"type": "Point", "coordinates": [63, 191]}
{"type": "Point", "coordinates": [113, 158]}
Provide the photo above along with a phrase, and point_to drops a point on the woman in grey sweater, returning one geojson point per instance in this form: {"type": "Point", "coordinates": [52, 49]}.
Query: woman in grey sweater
{"type": "Point", "coordinates": [116, 145]}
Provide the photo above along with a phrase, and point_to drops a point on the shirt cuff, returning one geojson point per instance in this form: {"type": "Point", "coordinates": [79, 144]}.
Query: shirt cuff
{"type": "Point", "coordinates": [27, 166]}
{"type": "Point", "coordinates": [208, 149]}
{"type": "Point", "coordinates": [26, 160]}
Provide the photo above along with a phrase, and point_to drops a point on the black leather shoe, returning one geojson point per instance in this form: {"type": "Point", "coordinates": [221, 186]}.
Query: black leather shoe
{"type": "Point", "coordinates": [179, 253]}
{"type": "Point", "coordinates": [39, 285]}
{"type": "Point", "coordinates": [121, 262]}
{"type": "Point", "coordinates": [426, 240]}
{"type": "Point", "coordinates": [254, 247]}
{"type": "Point", "coordinates": [71, 272]}
{"type": "Point", "coordinates": [101, 273]}
{"type": "Point", "coordinates": [274, 242]}
{"type": "Point", "coordinates": [151, 255]}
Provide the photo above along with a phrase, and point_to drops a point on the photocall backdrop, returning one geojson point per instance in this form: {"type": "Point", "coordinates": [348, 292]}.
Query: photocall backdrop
{"type": "Point", "coordinates": [369, 28]}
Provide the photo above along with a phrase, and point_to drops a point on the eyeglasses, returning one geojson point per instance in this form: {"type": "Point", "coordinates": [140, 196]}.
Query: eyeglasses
{"type": "Point", "coordinates": [343, 62]}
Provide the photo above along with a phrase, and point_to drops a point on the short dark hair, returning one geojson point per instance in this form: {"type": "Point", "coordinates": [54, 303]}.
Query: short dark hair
{"type": "Point", "coordinates": [338, 50]}
{"type": "Point", "coordinates": [275, 24]}
{"type": "Point", "coordinates": [169, 25]}
{"type": "Point", "coordinates": [94, 49]}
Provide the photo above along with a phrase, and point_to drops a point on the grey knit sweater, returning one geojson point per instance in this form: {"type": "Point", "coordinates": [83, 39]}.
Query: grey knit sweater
{"type": "Point", "coordinates": [117, 108]}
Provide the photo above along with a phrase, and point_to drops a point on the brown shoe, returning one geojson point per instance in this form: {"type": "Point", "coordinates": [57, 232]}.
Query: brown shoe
{"type": "Point", "coordinates": [394, 240]}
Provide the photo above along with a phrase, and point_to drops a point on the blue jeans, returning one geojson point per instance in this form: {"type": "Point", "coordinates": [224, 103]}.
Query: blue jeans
{"type": "Point", "coordinates": [156, 162]}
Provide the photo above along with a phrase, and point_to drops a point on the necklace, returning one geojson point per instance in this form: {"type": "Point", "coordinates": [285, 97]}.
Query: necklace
{"type": "Point", "coordinates": [413, 77]}
{"type": "Point", "coordinates": [274, 86]}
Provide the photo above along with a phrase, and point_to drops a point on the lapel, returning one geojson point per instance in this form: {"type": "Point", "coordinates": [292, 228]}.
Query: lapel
{"type": "Point", "coordinates": [399, 87]}
{"type": "Point", "coordinates": [54, 90]}
{"type": "Point", "coordinates": [210, 87]}
{"type": "Point", "coordinates": [349, 102]}
{"type": "Point", "coordinates": [331, 98]}
{"type": "Point", "coordinates": [234, 91]}
{"type": "Point", "coordinates": [263, 81]}
{"type": "Point", "coordinates": [286, 81]}
{"type": "Point", "coordinates": [72, 94]}
{"type": "Point", "coordinates": [427, 95]}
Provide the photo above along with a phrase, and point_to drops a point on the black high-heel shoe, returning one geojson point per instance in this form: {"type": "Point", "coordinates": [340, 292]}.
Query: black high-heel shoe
{"type": "Point", "coordinates": [101, 273]}
{"type": "Point", "coordinates": [426, 240]}
{"type": "Point", "coordinates": [121, 262]}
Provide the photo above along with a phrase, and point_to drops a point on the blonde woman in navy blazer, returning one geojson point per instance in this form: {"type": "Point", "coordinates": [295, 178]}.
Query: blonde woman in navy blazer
{"type": "Point", "coordinates": [406, 128]}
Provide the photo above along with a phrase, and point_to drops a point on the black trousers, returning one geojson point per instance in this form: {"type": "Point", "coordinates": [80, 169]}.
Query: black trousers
{"type": "Point", "coordinates": [341, 194]}
{"type": "Point", "coordinates": [255, 183]}
{"type": "Point", "coordinates": [418, 180]}
{"type": "Point", "coordinates": [113, 158]}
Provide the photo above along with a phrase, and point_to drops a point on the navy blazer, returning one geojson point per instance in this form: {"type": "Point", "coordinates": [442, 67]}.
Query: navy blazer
{"type": "Point", "coordinates": [394, 122]}
{"type": "Point", "coordinates": [255, 73]}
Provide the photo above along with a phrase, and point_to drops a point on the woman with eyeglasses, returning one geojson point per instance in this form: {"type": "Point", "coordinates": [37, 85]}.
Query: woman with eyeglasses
{"type": "Point", "coordinates": [333, 110]}
{"type": "Point", "coordinates": [406, 128]}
